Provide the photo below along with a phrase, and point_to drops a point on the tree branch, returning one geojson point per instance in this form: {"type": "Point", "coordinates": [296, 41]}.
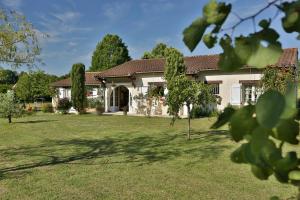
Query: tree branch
{"type": "Point", "coordinates": [251, 17]}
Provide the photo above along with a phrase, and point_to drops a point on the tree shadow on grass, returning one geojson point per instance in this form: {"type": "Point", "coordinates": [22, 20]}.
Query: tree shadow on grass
{"type": "Point", "coordinates": [124, 148]}
{"type": "Point", "coordinates": [34, 121]}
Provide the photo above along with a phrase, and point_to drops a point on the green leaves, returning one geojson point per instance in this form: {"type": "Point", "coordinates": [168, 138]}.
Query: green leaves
{"type": "Point", "coordinates": [284, 166]}
{"type": "Point", "coordinates": [224, 117]}
{"type": "Point", "coordinates": [229, 60]}
{"type": "Point", "coordinates": [213, 14]}
{"type": "Point", "coordinates": [287, 131]}
{"type": "Point", "coordinates": [260, 173]}
{"type": "Point", "coordinates": [249, 50]}
{"type": "Point", "coordinates": [216, 13]}
{"type": "Point", "coordinates": [193, 34]}
{"type": "Point", "coordinates": [209, 40]}
{"type": "Point", "coordinates": [291, 20]}
{"type": "Point", "coordinates": [269, 108]}
{"type": "Point", "coordinates": [242, 123]}
{"type": "Point", "coordinates": [295, 175]}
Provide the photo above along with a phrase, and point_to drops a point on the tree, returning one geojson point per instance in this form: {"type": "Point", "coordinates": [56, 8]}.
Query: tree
{"type": "Point", "coordinates": [110, 52]}
{"type": "Point", "coordinates": [181, 90]}
{"type": "Point", "coordinates": [9, 107]}
{"type": "Point", "coordinates": [273, 118]}
{"type": "Point", "coordinates": [174, 65]}
{"type": "Point", "coordinates": [8, 76]}
{"type": "Point", "coordinates": [18, 40]}
{"type": "Point", "coordinates": [35, 84]}
{"type": "Point", "coordinates": [78, 95]}
{"type": "Point", "coordinates": [159, 51]}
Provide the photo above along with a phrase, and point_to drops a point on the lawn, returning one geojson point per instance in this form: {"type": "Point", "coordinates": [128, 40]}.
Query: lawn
{"type": "Point", "coordinates": [119, 157]}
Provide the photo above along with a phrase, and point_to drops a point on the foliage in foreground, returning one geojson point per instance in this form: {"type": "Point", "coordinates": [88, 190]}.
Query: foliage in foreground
{"type": "Point", "coordinates": [273, 117]}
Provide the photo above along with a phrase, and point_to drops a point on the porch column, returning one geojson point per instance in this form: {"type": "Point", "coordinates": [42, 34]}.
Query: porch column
{"type": "Point", "coordinates": [253, 93]}
{"type": "Point", "coordinates": [106, 99]}
{"type": "Point", "coordinates": [114, 99]}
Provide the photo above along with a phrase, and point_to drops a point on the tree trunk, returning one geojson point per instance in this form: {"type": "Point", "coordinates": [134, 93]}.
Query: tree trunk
{"type": "Point", "coordinates": [9, 118]}
{"type": "Point", "coordinates": [189, 121]}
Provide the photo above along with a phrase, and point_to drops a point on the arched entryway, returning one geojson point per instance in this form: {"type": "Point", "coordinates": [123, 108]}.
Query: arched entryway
{"type": "Point", "coordinates": [119, 99]}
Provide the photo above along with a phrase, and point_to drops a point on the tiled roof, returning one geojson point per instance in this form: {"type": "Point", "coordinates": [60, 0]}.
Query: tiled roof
{"type": "Point", "coordinates": [194, 64]}
{"type": "Point", "coordinates": [89, 80]}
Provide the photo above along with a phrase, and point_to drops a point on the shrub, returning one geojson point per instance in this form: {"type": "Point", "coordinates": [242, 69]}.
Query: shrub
{"type": "Point", "coordinates": [64, 105]}
{"type": "Point", "coordinates": [92, 103]}
{"type": "Point", "coordinates": [47, 108]}
{"type": "Point", "coordinates": [203, 111]}
{"type": "Point", "coordinates": [5, 87]}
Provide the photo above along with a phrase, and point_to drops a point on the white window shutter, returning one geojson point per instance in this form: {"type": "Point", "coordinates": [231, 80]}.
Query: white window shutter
{"type": "Point", "coordinates": [235, 96]}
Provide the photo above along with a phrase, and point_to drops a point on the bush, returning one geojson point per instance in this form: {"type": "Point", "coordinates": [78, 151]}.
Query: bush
{"type": "Point", "coordinates": [64, 105]}
{"type": "Point", "coordinates": [5, 87]}
{"type": "Point", "coordinates": [92, 103]}
{"type": "Point", "coordinates": [203, 111]}
{"type": "Point", "coordinates": [47, 108]}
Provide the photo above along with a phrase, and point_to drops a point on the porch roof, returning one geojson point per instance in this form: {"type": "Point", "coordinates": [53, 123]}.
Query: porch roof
{"type": "Point", "coordinates": [193, 64]}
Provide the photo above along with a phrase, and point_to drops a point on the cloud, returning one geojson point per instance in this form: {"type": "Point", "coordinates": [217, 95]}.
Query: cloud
{"type": "Point", "coordinates": [14, 4]}
{"type": "Point", "coordinates": [67, 16]}
{"type": "Point", "coordinates": [116, 10]}
{"type": "Point", "coordinates": [58, 24]}
{"type": "Point", "coordinates": [72, 44]}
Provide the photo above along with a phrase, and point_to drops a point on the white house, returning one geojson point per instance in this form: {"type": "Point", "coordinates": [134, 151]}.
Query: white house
{"type": "Point", "coordinates": [125, 86]}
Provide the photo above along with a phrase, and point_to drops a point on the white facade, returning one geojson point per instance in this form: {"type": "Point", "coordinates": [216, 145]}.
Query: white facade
{"type": "Point", "coordinates": [237, 88]}
{"type": "Point", "coordinates": [231, 85]}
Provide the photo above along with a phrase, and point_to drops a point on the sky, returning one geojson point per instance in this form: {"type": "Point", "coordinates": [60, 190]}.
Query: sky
{"type": "Point", "coordinates": [76, 26]}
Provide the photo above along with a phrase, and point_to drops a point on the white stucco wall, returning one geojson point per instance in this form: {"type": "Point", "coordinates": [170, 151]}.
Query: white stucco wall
{"type": "Point", "coordinates": [229, 83]}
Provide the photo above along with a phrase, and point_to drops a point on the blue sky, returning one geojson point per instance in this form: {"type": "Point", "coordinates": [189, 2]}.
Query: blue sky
{"type": "Point", "coordinates": [76, 26]}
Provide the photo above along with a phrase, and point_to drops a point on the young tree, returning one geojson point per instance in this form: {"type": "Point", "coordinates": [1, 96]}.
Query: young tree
{"type": "Point", "coordinates": [23, 88]}
{"type": "Point", "coordinates": [159, 51]}
{"type": "Point", "coordinates": [78, 95]}
{"type": "Point", "coordinates": [181, 90]}
{"type": "Point", "coordinates": [273, 118]}
{"type": "Point", "coordinates": [110, 52]}
{"type": "Point", "coordinates": [9, 107]}
{"type": "Point", "coordinates": [18, 40]}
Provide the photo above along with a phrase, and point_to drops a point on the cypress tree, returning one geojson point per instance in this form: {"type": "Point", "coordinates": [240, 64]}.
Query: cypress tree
{"type": "Point", "coordinates": [78, 96]}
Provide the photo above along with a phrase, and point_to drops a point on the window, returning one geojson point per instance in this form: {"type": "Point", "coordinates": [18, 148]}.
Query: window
{"type": "Point", "coordinates": [156, 89]}
{"type": "Point", "coordinates": [250, 93]}
{"type": "Point", "coordinates": [215, 88]}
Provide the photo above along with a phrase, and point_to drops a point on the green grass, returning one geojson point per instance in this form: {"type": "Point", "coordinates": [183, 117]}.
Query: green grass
{"type": "Point", "coordinates": [118, 157]}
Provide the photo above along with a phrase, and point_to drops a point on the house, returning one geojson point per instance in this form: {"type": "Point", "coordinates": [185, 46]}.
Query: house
{"type": "Point", "coordinates": [64, 87]}
{"type": "Point", "coordinates": [125, 86]}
